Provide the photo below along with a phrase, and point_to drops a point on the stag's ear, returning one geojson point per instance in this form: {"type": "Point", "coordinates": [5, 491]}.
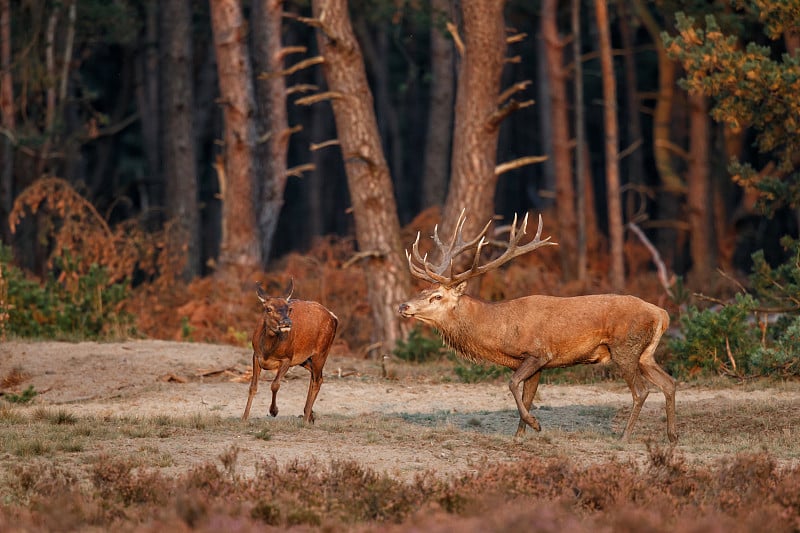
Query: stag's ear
{"type": "Point", "coordinates": [461, 287]}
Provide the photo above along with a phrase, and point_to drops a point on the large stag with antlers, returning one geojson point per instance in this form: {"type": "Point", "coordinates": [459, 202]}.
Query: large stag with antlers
{"type": "Point", "coordinates": [533, 333]}
{"type": "Point", "coordinates": [290, 333]}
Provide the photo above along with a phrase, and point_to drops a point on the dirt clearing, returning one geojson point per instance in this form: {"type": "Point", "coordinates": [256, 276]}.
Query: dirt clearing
{"type": "Point", "coordinates": [403, 426]}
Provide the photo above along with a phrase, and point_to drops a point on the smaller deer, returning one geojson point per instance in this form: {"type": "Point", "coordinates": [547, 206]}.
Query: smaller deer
{"type": "Point", "coordinates": [291, 333]}
{"type": "Point", "coordinates": [534, 333]}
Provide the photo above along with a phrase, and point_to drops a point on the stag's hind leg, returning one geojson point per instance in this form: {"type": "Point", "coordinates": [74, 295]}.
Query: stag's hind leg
{"type": "Point", "coordinates": [659, 377]}
{"type": "Point", "coordinates": [529, 387]}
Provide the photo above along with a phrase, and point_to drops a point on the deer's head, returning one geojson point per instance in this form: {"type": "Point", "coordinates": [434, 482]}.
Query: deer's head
{"type": "Point", "coordinates": [276, 310]}
{"type": "Point", "coordinates": [434, 306]}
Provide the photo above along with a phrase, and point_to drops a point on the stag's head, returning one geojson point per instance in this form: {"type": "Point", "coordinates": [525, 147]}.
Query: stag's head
{"type": "Point", "coordinates": [276, 310]}
{"type": "Point", "coordinates": [434, 306]}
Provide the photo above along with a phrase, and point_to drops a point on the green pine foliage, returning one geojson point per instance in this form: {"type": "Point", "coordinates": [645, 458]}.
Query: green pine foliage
{"type": "Point", "coordinates": [743, 337]}
{"type": "Point", "coordinates": [751, 87]}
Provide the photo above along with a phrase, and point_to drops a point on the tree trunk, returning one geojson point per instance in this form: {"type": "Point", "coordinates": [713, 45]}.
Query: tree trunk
{"type": "Point", "coordinates": [672, 186]}
{"type": "Point", "coordinates": [634, 162]}
{"type": "Point", "coordinates": [699, 190]}
{"type": "Point", "coordinates": [147, 98]}
{"type": "Point", "coordinates": [615, 230]}
{"type": "Point", "coordinates": [473, 180]}
{"type": "Point", "coordinates": [440, 115]}
{"type": "Point", "coordinates": [374, 209]}
{"type": "Point", "coordinates": [271, 90]}
{"type": "Point", "coordinates": [240, 246]}
{"type": "Point", "coordinates": [582, 192]}
{"type": "Point", "coordinates": [179, 153]}
{"type": "Point", "coordinates": [567, 224]}
{"type": "Point", "coordinates": [7, 115]}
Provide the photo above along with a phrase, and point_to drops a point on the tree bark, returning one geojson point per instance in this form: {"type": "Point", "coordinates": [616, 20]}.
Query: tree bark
{"type": "Point", "coordinates": [473, 180]}
{"type": "Point", "coordinates": [147, 98]}
{"type": "Point", "coordinates": [440, 115]}
{"type": "Point", "coordinates": [271, 91]}
{"type": "Point", "coordinates": [583, 192]}
{"type": "Point", "coordinates": [374, 208]}
{"type": "Point", "coordinates": [240, 246]}
{"type": "Point", "coordinates": [567, 224]}
{"type": "Point", "coordinates": [672, 186]}
{"type": "Point", "coordinates": [699, 192]}
{"type": "Point", "coordinates": [615, 230]}
{"type": "Point", "coordinates": [179, 152]}
{"type": "Point", "coordinates": [7, 115]}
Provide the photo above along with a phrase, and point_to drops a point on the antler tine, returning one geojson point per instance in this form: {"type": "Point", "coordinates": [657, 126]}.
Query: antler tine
{"type": "Point", "coordinates": [425, 273]}
{"type": "Point", "coordinates": [512, 248]}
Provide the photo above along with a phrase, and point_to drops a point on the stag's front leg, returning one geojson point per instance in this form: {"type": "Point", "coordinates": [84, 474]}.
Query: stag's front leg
{"type": "Point", "coordinates": [276, 384]}
{"type": "Point", "coordinates": [530, 366]}
{"type": "Point", "coordinates": [529, 387]}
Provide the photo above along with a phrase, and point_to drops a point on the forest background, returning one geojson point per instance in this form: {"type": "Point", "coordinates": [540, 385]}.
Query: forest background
{"type": "Point", "coordinates": [158, 158]}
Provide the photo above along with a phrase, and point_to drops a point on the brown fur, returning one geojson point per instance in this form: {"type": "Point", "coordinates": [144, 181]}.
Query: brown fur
{"type": "Point", "coordinates": [533, 333]}
{"type": "Point", "coordinates": [291, 333]}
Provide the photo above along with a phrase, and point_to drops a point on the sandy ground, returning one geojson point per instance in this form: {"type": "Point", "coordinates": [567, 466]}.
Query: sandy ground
{"type": "Point", "coordinates": [147, 378]}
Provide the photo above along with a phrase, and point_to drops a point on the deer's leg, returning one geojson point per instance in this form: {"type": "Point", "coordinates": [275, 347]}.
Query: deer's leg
{"type": "Point", "coordinates": [253, 386]}
{"type": "Point", "coordinates": [529, 387]}
{"type": "Point", "coordinates": [659, 377]}
{"type": "Point", "coordinates": [530, 366]}
{"type": "Point", "coordinates": [639, 392]}
{"type": "Point", "coordinates": [276, 384]}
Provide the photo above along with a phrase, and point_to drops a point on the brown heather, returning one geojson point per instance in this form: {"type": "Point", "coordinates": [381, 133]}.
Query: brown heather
{"type": "Point", "coordinates": [740, 494]}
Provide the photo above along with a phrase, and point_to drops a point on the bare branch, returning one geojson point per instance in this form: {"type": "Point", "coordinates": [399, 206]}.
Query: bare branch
{"type": "Point", "coordinates": [297, 171]}
{"type": "Point", "coordinates": [630, 149]}
{"type": "Point", "coordinates": [660, 266]}
{"type": "Point", "coordinates": [501, 114]}
{"type": "Point", "coordinates": [320, 97]}
{"type": "Point", "coordinates": [456, 38]}
{"type": "Point", "coordinates": [517, 37]}
{"type": "Point", "coordinates": [362, 255]}
{"type": "Point", "coordinates": [502, 168]}
{"type": "Point", "coordinates": [517, 87]}
{"type": "Point", "coordinates": [325, 144]}
{"type": "Point", "coordinates": [288, 50]}
{"type": "Point", "coordinates": [514, 60]}
{"type": "Point", "coordinates": [300, 65]}
{"type": "Point", "coordinates": [301, 88]}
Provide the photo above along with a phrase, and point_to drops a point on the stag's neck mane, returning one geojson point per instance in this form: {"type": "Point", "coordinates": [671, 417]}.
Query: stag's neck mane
{"type": "Point", "coordinates": [461, 334]}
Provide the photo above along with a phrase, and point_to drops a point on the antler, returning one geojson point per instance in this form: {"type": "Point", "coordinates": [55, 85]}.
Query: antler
{"type": "Point", "coordinates": [457, 245]}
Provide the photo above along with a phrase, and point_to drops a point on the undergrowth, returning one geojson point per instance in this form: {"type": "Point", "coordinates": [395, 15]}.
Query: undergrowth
{"type": "Point", "coordinates": [744, 493]}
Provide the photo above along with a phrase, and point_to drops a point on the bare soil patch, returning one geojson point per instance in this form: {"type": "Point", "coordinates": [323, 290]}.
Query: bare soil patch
{"type": "Point", "coordinates": [402, 426]}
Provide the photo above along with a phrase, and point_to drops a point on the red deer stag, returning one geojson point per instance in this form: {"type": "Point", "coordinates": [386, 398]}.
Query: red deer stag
{"type": "Point", "coordinates": [291, 333]}
{"type": "Point", "coordinates": [532, 333]}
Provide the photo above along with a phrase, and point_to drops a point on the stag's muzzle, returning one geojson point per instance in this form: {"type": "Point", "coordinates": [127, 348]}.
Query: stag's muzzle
{"type": "Point", "coordinates": [405, 310]}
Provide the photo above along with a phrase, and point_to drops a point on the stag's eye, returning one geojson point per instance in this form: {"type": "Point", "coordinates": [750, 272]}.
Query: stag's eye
{"type": "Point", "coordinates": [268, 309]}
{"type": "Point", "coordinates": [435, 297]}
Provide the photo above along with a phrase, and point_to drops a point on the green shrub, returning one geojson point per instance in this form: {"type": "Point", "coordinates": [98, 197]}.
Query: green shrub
{"type": "Point", "coordinates": [419, 347]}
{"type": "Point", "coordinates": [24, 397]}
{"type": "Point", "coordinates": [736, 338]}
{"type": "Point", "coordinates": [476, 373]}
{"type": "Point", "coordinates": [69, 305]}
{"type": "Point", "coordinates": [716, 340]}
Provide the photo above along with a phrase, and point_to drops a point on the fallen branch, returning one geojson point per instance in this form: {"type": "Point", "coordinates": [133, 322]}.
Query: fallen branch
{"type": "Point", "coordinates": [660, 266]}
